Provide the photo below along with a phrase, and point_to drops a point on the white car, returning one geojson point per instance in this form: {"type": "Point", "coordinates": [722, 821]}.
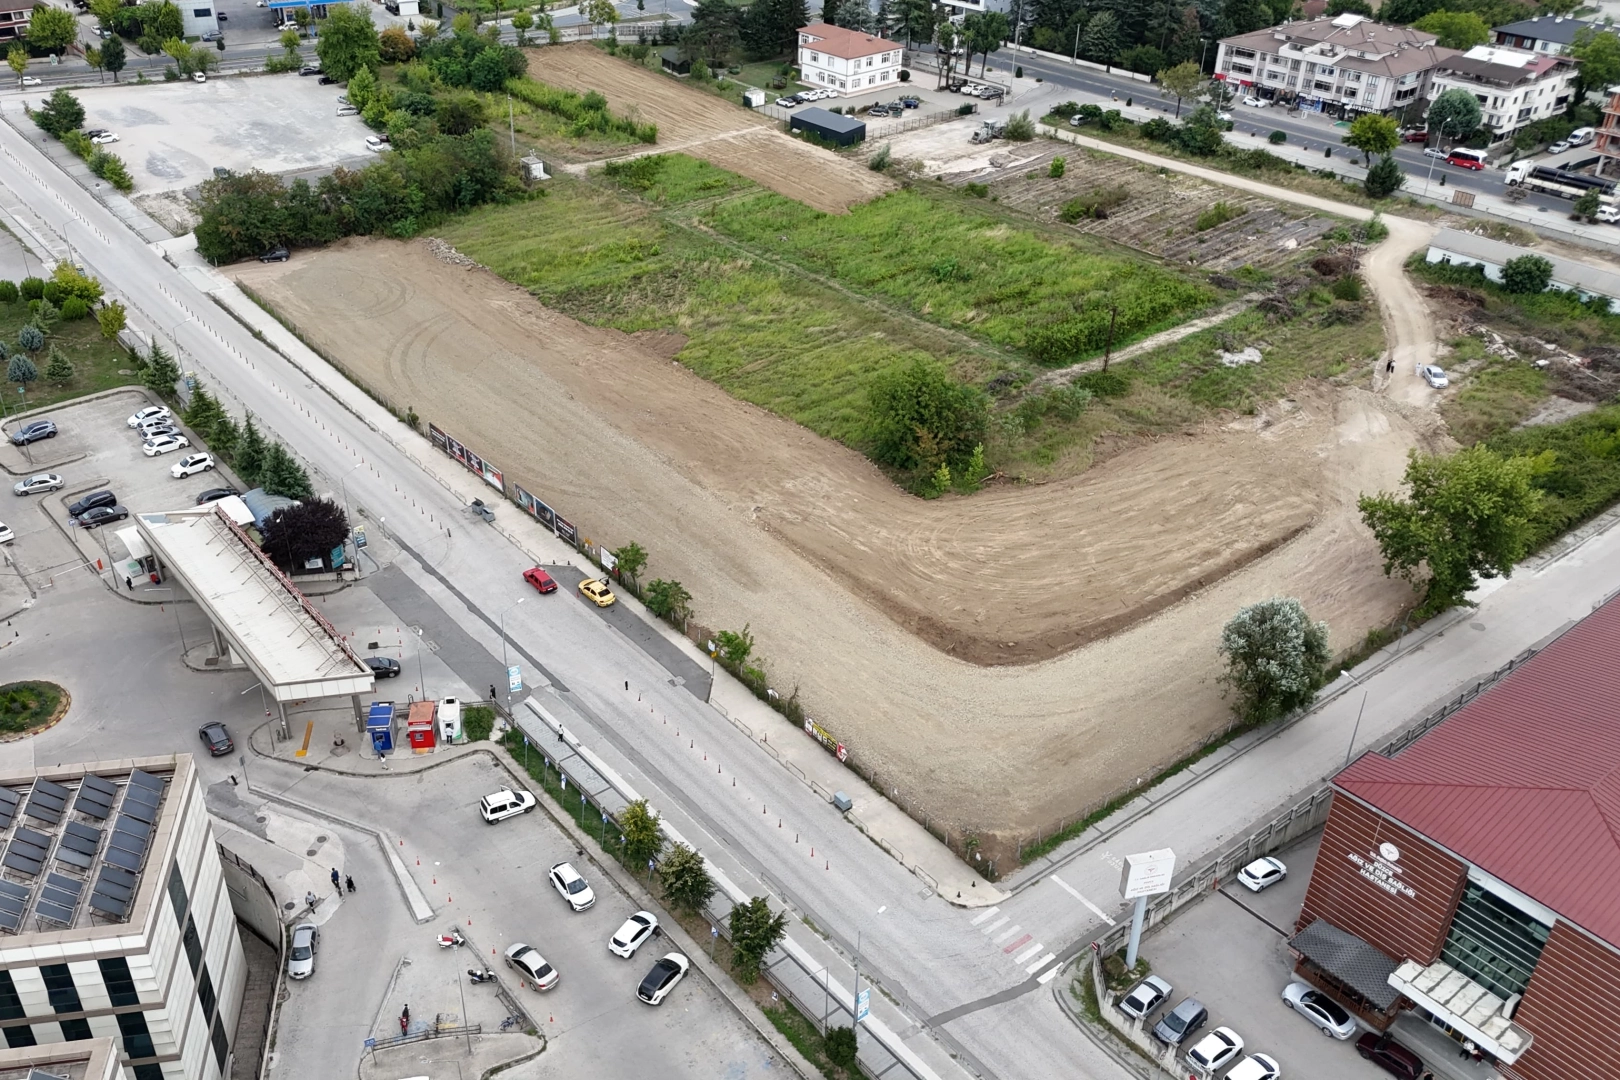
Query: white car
{"type": "Point", "coordinates": [191, 465]}
{"type": "Point", "coordinates": [164, 444]}
{"type": "Point", "coordinates": [668, 971]}
{"type": "Point", "coordinates": [1148, 995]}
{"type": "Point", "coordinates": [6, 535]}
{"type": "Point", "coordinates": [1434, 375]}
{"type": "Point", "coordinates": [527, 961]}
{"type": "Point", "coordinates": [1262, 874]}
{"type": "Point", "coordinates": [348, 110]}
{"type": "Point", "coordinates": [197, 76]}
{"type": "Point", "coordinates": [301, 957]}
{"type": "Point", "coordinates": [1558, 147]}
{"type": "Point", "coordinates": [571, 887]}
{"type": "Point", "coordinates": [377, 143]}
{"type": "Point", "coordinates": [104, 138]}
{"type": "Point", "coordinates": [1256, 1067]}
{"type": "Point", "coordinates": [635, 932]}
{"type": "Point", "coordinates": [505, 803]}
{"type": "Point", "coordinates": [1434, 152]}
{"type": "Point", "coordinates": [1608, 214]}
{"type": "Point", "coordinates": [151, 412]}
{"type": "Point", "coordinates": [33, 485]}
{"type": "Point", "coordinates": [32, 80]}
{"type": "Point", "coordinates": [1320, 1010]}
{"type": "Point", "coordinates": [1215, 1051]}
{"type": "Point", "coordinates": [1256, 103]}
{"type": "Point", "coordinates": [1222, 115]}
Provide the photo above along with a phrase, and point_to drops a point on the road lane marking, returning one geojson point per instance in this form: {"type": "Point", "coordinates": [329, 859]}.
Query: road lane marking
{"type": "Point", "coordinates": [1042, 962]}
{"type": "Point", "coordinates": [1019, 943]}
{"type": "Point", "coordinates": [309, 729]}
{"type": "Point", "coordinates": [1070, 889]}
{"type": "Point", "coordinates": [1007, 933]}
{"type": "Point", "coordinates": [979, 919]}
{"type": "Point", "coordinates": [1051, 973]}
{"type": "Point", "coordinates": [1029, 952]}
{"type": "Point", "coordinates": [997, 925]}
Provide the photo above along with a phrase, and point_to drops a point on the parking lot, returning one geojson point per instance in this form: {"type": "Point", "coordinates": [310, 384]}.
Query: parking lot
{"type": "Point", "coordinates": [173, 135]}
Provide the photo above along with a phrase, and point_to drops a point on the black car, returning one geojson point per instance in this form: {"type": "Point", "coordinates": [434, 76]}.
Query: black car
{"type": "Point", "coordinates": [33, 432]}
{"type": "Point", "coordinates": [217, 738]}
{"type": "Point", "coordinates": [278, 253]}
{"type": "Point", "coordinates": [216, 494]}
{"type": "Point", "coordinates": [383, 667]}
{"type": "Point", "coordinates": [326, 80]}
{"type": "Point", "coordinates": [91, 501]}
{"type": "Point", "coordinates": [1389, 1055]}
{"type": "Point", "coordinates": [101, 515]}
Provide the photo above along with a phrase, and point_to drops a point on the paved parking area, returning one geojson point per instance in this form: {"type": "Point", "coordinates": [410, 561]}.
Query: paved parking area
{"type": "Point", "coordinates": [173, 135]}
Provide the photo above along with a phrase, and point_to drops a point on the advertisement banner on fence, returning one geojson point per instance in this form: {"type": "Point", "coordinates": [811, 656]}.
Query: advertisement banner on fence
{"type": "Point", "coordinates": [820, 734]}
{"type": "Point", "coordinates": [444, 441]}
{"type": "Point", "coordinates": [566, 530]}
{"type": "Point", "coordinates": [537, 509]}
{"type": "Point", "coordinates": [609, 563]}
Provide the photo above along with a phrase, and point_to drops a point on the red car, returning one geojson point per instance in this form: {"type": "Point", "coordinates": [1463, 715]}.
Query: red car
{"type": "Point", "coordinates": [1415, 136]}
{"type": "Point", "coordinates": [540, 580]}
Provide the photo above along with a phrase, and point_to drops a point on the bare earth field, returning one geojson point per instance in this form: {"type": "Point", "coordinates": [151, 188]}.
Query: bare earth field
{"type": "Point", "coordinates": [848, 584]}
{"type": "Point", "coordinates": [707, 127]}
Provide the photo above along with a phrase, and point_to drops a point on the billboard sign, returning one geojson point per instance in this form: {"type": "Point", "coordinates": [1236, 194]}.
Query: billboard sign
{"type": "Point", "coordinates": [444, 441]}
{"type": "Point", "coordinates": [566, 531]}
{"type": "Point", "coordinates": [1147, 874]}
{"type": "Point", "coordinates": [514, 678]}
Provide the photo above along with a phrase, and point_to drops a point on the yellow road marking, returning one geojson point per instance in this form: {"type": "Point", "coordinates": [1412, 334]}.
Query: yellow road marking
{"type": "Point", "coordinates": [309, 729]}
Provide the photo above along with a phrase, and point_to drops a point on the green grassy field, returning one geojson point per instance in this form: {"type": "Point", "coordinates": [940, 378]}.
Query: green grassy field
{"type": "Point", "coordinates": [98, 364]}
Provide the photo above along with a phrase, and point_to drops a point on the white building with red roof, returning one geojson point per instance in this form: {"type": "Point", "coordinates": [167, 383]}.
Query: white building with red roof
{"type": "Point", "coordinates": [849, 61]}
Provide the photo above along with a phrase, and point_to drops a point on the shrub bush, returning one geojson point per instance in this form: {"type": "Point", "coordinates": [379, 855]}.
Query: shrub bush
{"type": "Point", "coordinates": [1277, 138]}
{"type": "Point", "coordinates": [1217, 215]}
{"type": "Point", "coordinates": [53, 293]}
{"type": "Point", "coordinates": [1093, 204]}
{"type": "Point", "coordinates": [8, 292]}
{"type": "Point", "coordinates": [978, 191]}
{"type": "Point", "coordinates": [1347, 287]}
{"type": "Point", "coordinates": [1055, 169]}
{"type": "Point", "coordinates": [74, 309]}
{"type": "Point", "coordinates": [1103, 384]}
{"type": "Point", "coordinates": [32, 288]}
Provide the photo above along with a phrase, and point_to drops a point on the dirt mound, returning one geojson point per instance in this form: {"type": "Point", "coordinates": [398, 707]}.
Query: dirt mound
{"type": "Point", "coordinates": [708, 127]}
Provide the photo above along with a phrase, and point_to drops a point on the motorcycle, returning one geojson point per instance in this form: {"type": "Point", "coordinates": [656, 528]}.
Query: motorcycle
{"type": "Point", "coordinates": [482, 975]}
{"type": "Point", "coordinates": [452, 940]}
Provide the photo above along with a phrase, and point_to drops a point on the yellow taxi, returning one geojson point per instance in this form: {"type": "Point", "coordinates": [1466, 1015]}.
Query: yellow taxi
{"type": "Point", "coordinates": [597, 592]}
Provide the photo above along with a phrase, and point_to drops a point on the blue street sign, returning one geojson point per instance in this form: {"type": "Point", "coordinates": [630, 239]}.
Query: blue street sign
{"type": "Point", "coordinates": [514, 678]}
{"type": "Point", "coordinates": [863, 1005]}
{"type": "Point", "coordinates": [359, 536]}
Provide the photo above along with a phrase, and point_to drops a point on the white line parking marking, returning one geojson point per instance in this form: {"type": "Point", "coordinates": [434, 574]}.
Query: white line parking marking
{"type": "Point", "coordinates": [1042, 962]}
{"type": "Point", "coordinates": [985, 915]}
{"type": "Point", "coordinates": [1051, 973]}
{"type": "Point", "coordinates": [998, 924]}
{"type": "Point", "coordinates": [1006, 934]}
{"type": "Point", "coordinates": [1070, 889]}
{"type": "Point", "coordinates": [1029, 952]}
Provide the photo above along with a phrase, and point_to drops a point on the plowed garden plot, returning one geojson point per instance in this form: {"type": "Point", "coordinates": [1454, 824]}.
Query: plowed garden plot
{"type": "Point", "coordinates": [707, 127]}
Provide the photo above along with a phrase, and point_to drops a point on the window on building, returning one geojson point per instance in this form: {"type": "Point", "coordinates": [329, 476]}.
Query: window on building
{"type": "Point", "coordinates": [222, 1044]}
{"type": "Point", "coordinates": [137, 1039]}
{"type": "Point", "coordinates": [815, 57]}
{"type": "Point", "coordinates": [1245, 54]}
{"type": "Point", "coordinates": [193, 944]}
{"type": "Point", "coordinates": [21, 1035]}
{"type": "Point", "coordinates": [76, 1030]}
{"type": "Point", "coordinates": [177, 894]}
{"type": "Point", "coordinates": [120, 983]}
{"type": "Point", "coordinates": [1293, 65]}
{"type": "Point", "coordinates": [11, 1006]}
{"type": "Point", "coordinates": [64, 996]}
{"type": "Point", "coordinates": [1354, 76]}
{"type": "Point", "coordinates": [149, 1071]}
{"type": "Point", "coordinates": [205, 993]}
{"type": "Point", "coordinates": [1493, 942]}
{"type": "Point", "coordinates": [203, 13]}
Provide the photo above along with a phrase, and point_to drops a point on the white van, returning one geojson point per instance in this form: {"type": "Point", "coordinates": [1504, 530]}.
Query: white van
{"type": "Point", "coordinates": [1580, 136]}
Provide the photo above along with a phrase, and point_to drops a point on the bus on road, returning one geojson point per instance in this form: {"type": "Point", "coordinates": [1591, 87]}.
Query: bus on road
{"type": "Point", "coordinates": [1466, 159]}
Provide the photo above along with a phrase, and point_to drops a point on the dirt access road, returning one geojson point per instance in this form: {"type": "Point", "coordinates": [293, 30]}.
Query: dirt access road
{"type": "Point", "coordinates": [711, 128]}
{"type": "Point", "coordinates": [842, 577]}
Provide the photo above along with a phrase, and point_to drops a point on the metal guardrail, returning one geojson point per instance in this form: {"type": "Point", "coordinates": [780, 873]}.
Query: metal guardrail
{"type": "Point", "coordinates": [437, 1031]}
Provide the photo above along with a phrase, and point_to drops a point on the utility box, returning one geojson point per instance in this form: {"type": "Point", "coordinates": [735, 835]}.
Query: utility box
{"type": "Point", "coordinates": [420, 731]}
{"type": "Point", "coordinates": [753, 97]}
{"type": "Point", "coordinates": [449, 720]}
{"type": "Point", "coordinates": [843, 802]}
{"type": "Point", "coordinates": [534, 169]}
{"type": "Point", "coordinates": [380, 727]}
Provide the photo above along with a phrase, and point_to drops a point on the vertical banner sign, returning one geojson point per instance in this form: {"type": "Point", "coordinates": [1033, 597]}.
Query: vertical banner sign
{"type": "Point", "coordinates": [609, 563]}
{"type": "Point", "coordinates": [566, 530]}
{"type": "Point", "coordinates": [863, 1005]}
{"type": "Point", "coordinates": [514, 678]}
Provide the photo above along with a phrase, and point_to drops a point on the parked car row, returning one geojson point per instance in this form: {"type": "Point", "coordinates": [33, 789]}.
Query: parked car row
{"type": "Point", "coordinates": [893, 108]}
{"type": "Point", "coordinates": [805, 97]}
{"type": "Point", "coordinates": [978, 90]}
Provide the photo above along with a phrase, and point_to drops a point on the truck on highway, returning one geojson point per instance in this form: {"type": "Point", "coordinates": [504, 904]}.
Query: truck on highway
{"type": "Point", "coordinates": [1560, 182]}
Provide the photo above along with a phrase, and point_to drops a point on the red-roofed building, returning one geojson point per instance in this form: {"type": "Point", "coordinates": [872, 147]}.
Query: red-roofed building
{"type": "Point", "coordinates": [1480, 867]}
{"type": "Point", "coordinates": [848, 61]}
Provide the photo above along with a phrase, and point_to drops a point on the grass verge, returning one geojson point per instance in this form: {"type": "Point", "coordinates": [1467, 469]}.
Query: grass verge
{"type": "Point", "coordinates": [1583, 477]}
{"type": "Point", "coordinates": [98, 364]}
{"type": "Point", "coordinates": [25, 706]}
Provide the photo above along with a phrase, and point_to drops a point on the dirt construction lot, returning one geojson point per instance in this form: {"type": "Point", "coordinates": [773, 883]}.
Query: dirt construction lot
{"type": "Point", "coordinates": [847, 583]}
{"type": "Point", "coordinates": [708, 127]}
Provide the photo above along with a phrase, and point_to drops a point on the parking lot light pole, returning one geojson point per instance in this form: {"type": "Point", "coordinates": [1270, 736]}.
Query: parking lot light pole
{"type": "Point", "coordinates": [505, 663]}
{"type": "Point", "coordinates": [343, 485]}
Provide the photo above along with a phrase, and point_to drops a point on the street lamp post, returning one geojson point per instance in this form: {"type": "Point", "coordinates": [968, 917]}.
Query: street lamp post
{"type": "Point", "coordinates": [343, 484]}
{"type": "Point", "coordinates": [1431, 157]}
{"type": "Point", "coordinates": [505, 663]}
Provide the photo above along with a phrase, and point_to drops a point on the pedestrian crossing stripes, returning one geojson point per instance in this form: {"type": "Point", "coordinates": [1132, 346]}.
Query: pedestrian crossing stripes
{"type": "Point", "coordinates": [1014, 939]}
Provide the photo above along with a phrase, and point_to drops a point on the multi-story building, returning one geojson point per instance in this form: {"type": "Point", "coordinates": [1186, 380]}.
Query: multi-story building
{"type": "Point", "coordinates": [1551, 35]}
{"type": "Point", "coordinates": [14, 16]}
{"type": "Point", "coordinates": [849, 61]}
{"type": "Point", "coordinates": [1514, 87]}
{"type": "Point", "coordinates": [1608, 135]}
{"type": "Point", "coordinates": [1468, 882]}
{"type": "Point", "coordinates": [115, 922]}
{"type": "Point", "coordinates": [1343, 66]}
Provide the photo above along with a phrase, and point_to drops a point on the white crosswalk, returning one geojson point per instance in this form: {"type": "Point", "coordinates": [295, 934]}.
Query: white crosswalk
{"type": "Point", "coordinates": [1012, 939]}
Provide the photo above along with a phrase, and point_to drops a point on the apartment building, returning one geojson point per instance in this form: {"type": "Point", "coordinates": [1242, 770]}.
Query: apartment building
{"type": "Point", "coordinates": [14, 16]}
{"type": "Point", "coordinates": [1342, 66]}
{"type": "Point", "coordinates": [1551, 35]}
{"type": "Point", "coordinates": [1608, 135]}
{"type": "Point", "coordinates": [1514, 87]}
{"type": "Point", "coordinates": [849, 61]}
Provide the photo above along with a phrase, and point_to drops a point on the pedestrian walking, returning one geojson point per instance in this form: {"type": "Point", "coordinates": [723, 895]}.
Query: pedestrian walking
{"type": "Point", "coordinates": [128, 584]}
{"type": "Point", "coordinates": [492, 691]}
{"type": "Point", "coordinates": [349, 881]}
{"type": "Point", "coordinates": [1390, 367]}
{"type": "Point", "coordinates": [310, 900]}
{"type": "Point", "coordinates": [405, 1021]}
{"type": "Point", "coordinates": [335, 879]}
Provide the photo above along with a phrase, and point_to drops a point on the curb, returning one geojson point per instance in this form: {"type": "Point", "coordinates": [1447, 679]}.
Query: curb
{"type": "Point", "coordinates": [1132, 1064]}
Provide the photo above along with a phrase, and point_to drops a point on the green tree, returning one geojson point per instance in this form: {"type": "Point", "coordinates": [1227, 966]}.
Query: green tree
{"type": "Point", "coordinates": [92, 56]}
{"type": "Point", "coordinates": [52, 28]}
{"type": "Point", "coordinates": [915, 19]}
{"type": "Point", "coordinates": [294, 535]}
{"type": "Point", "coordinates": [735, 646]}
{"type": "Point", "coordinates": [1587, 205]}
{"type": "Point", "coordinates": [1454, 114]}
{"type": "Point", "coordinates": [1100, 41]}
{"type": "Point", "coordinates": [283, 475]}
{"type": "Point", "coordinates": [107, 13]}
{"type": "Point", "coordinates": [631, 559]}
{"type": "Point", "coordinates": [1275, 657]}
{"type": "Point", "coordinates": [17, 57]}
{"type": "Point", "coordinates": [1598, 50]}
{"type": "Point", "coordinates": [60, 114]}
{"type": "Point", "coordinates": [599, 12]}
{"type": "Point", "coordinates": [112, 317]}
{"type": "Point", "coordinates": [347, 41]}
{"type": "Point", "coordinates": [1182, 81]}
{"type": "Point", "coordinates": [290, 41]}
{"type": "Point", "coordinates": [161, 372]}
{"type": "Point", "coordinates": [522, 22]}
{"type": "Point", "coordinates": [362, 88]}
{"type": "Point", "coordinates": [1373, 134]}
{"type": "Point", "coordinates": [685, 879]}
{"type": "Point", "coordinates": [841, 1048]}
{"type": "Point", "coordinates": [1455, 29]}
{"type": "Point", "coordinates": [46, 315]}
{"type": "Point", "coordinates": [113, 56]}
{"type": "Point", "coordinates": [203, 411]}
{"type": "Point", "coordinates": [643, 835]}
{"type": "Point", "coordinates": [855, 15]}
{"type": "Point", "coordinates": [755, 931]}
{"type": "Point", "coordinates": [21, 369]}
{"type": "Point", "coordinates": [60, 369]}
{"type": "Point", "coordinates": [250, 453]}
{"type": "Point", "coordinates": [1527, 275]}
{"type": "Point", "coordinates": [713, 34]}
{"type": "Point", "coordinates": [1349, 7]}
{"type": "Point", "coordinates": [668, 600]}
{"type": "Point", "coordinates": [160, 22]}
{"type": "Point", "coordinates": [459, 113]}
{"type": "Point", "coordinates": [30, 338]}
{"type": "Point", "coordinates": [1466, 516]}
{"type": "Point", "coordinates": [921, 418]}
{"type": "Point", "coordinates": [394, 45]}
{"type": "Point", "coordinates": [1383, 179]}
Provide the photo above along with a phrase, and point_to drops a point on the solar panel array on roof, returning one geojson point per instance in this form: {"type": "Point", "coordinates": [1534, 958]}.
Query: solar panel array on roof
{"type": "Point", "coordinates": [142, 796]}
{"type": "Point", "coordinates": [47, 802]}
{"type": "Point", "coordinates": [96, 797]}
{"type": "Point", "coordinates": [8, 807]}
{"type": "Point", "coordinates": [114, 891]}
{"type": "Point", "coordinates": [13, 902]}
{"type": "Point", "coordinates": [59, 899]}
{"type": "Point", "coordinates": [27, 851]}
{"type": "Point", "coordinates": [79, 845]}
{"type": "Point", "coordinates": [130, 838]}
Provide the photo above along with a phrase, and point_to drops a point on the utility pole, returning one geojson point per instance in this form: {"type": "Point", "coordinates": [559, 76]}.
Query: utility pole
{"type": "Point", "coordinates": [1108, 350]}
